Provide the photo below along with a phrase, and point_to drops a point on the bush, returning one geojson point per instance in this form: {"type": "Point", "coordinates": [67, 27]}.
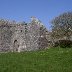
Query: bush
{"type": "Point", "coordinates": [63, 43]}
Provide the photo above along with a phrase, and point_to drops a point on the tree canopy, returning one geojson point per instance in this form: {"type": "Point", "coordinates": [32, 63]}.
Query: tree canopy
{"type": "Point", "coordinates": [62, 26]}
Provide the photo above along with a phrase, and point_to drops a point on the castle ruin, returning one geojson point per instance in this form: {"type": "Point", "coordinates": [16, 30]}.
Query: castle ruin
{"type": "Point", "coordinates": [23, 36]}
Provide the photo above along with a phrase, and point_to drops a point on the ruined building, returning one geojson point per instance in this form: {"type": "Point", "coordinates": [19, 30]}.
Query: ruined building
{"type": "Point", "coordinates": [23, 36]}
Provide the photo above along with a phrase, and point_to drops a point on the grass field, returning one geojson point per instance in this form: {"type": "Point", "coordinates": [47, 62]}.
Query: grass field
{"type": "Point", "coordinates": [50, 60]}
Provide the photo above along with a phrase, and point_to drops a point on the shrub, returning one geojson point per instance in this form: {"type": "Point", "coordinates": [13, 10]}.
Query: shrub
{"type": "Point", "coordinates": [63, 43]}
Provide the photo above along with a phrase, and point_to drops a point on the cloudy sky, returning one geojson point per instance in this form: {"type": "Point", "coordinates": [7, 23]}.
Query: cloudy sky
{"type": "Point", "coordinates": [44, 10]}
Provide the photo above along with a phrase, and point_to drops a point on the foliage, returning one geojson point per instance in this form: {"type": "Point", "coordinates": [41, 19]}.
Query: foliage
{"type": "Point", "coordinates": [63, 43]}
{"type": "Point", "coordinates": [51, 60]}
{"type": "Point", "coordinates": [62, 25]}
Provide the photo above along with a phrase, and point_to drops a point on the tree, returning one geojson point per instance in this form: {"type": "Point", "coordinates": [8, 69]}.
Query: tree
{"type": "Point", "coordinates": [62, 26]}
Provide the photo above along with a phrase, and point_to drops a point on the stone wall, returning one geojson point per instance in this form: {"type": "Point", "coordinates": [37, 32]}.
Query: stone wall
{"type": "Point", "coordinates": [23, 36]}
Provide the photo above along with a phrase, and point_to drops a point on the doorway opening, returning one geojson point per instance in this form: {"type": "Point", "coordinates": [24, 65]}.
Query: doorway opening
{"type": "Point", "coordinates": [16, 45]}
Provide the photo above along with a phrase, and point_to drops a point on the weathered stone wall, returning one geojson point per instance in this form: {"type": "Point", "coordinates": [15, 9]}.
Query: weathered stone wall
{"type": "Point", "coordinates": [23, 36]}
{"type": "Point", "coordinates": [5, 37]}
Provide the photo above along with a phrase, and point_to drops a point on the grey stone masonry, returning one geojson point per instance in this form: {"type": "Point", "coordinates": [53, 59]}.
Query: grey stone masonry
{"type": "Point", "coordinates": [23, 36]}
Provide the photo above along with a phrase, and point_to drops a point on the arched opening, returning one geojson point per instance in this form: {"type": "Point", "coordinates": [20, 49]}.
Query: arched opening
{"type": "Point", "coordinates": [16, 45]}
{"type": "Point", "coordinates": [15, 41]}
{"type": "Point", "coordinates": [21, 30]}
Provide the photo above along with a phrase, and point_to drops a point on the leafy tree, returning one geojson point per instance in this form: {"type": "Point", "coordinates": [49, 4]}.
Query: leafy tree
{"type": "Point", "coordinates": [62, 26]}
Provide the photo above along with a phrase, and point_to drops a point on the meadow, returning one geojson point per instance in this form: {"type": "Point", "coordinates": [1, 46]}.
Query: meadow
{"type": "Point", "coordinates": [49, 60]}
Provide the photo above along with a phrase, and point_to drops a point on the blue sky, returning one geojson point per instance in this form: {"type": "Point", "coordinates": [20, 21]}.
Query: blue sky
{"type": "Point", "coordinates": [44, 10]}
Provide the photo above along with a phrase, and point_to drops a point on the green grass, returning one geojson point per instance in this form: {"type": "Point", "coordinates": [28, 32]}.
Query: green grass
{"type": "Point", "coordinates": [50, 60]}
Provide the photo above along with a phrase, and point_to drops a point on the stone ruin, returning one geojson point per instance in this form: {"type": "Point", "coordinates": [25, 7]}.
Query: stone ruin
{"type": "Point", "coordinates": [18, 37]}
